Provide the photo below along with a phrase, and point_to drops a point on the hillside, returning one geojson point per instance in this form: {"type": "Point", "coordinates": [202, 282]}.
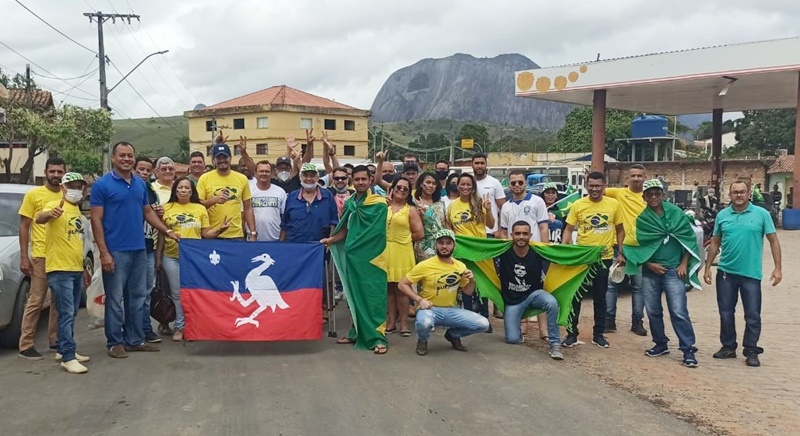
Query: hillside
{"type": "Point", "coordinates": [151, 136]}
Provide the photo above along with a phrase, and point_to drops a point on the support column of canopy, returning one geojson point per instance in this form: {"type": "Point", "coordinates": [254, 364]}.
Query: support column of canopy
{"type": "Point", "coordinates": [716, 150]}
{"type": "Point", "coordinates": [599, 131]}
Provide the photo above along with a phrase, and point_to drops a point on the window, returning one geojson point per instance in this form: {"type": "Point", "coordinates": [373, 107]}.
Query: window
{"type": "Point", "coordinates": [349, 150]}
{"type": "Point", "coordinates": [262, 123]}
{"type": "Point", "coordinates": [237, 151]}
{"type": "Point", "coordinates": [306, 123]}
{"type": "Point", "coordinates": [238, 123]}
{"type": "Point", "coordinates": [211, 126]}
{"type": "Point", "coordinates": [330, 124]}
{"type": "Point", "coordinates": [262, 149]}
{"type": "Point", "coordinates": [349, 125]}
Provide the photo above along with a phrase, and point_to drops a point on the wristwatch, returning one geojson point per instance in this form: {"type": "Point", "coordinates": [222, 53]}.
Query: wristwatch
{"type": "Point", "coordinates": [252, 233]}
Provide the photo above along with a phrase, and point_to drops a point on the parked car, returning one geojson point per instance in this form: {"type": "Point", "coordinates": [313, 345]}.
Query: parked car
{"type": "Point", "coordinates": [15, 286]}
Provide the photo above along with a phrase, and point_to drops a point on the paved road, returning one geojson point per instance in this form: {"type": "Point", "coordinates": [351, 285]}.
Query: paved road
{"type": "Point", "coordinates": [315, 388]}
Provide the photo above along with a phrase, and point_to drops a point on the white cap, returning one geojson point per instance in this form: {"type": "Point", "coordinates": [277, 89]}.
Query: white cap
{"type": "Point", "coordinates": [616, 273]}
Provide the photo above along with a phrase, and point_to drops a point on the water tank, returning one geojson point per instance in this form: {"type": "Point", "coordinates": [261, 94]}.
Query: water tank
{"type": "Point", "coordinates": [649, 126]}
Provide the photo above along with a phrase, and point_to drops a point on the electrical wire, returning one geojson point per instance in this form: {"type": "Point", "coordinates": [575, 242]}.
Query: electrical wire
{"type": "Point", "coordinates": [52, 27]}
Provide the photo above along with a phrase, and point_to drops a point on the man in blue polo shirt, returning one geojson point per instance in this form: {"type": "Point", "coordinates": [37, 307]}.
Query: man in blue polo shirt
{"type": "Point", "coordinates": [310, 212]}
{"type": "Point", "coordinates": [740, 230]}
{"type": "Point", "coordinates": [120, 206]}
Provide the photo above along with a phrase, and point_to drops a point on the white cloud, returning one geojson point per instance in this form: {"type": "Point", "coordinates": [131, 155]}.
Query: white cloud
{"type": "Point", "coordinates": [346, 49]}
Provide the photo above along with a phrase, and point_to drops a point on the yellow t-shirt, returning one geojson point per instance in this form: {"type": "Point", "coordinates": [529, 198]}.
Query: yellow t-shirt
{"type": "Point", "coordinates": [186, 220]}
{"type": "Point", "coordinates": [440, 280]}
{"type": "Point", "coordinates": [631, 206]}
{"type": "Point", "coordinates": [64, 238]}
{"type": "Point", "coordinates": [33, 203]}
{"type": "Point", "coordinates": [596, 222]}
{"type": "Point", "coordinates": [460, 216]}
{"type": "Point", "coordinates": [210, 185]}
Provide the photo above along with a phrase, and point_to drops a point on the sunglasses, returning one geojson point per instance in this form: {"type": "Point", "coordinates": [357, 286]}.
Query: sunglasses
{"type": "Point", "coordinates": [401, 189]}
{"type": "Point", "coordinates": [517, 183]}
{"type": "Point", "coordinates": [340, 179]}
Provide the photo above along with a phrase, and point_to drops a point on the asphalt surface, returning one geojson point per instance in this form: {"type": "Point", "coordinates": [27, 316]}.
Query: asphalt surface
{"type": "Point", "coordinates": [317, 388]}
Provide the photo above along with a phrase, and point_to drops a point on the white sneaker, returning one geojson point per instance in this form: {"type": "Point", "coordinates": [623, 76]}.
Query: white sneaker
{"type": "Point", "coordinates": [73, 367]}
{"type": "Point", "coordinates": [78, 357]}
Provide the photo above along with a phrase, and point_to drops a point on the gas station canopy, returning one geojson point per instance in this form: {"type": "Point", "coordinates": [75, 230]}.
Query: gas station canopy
{"type": "Point", "coordinates": [750, 76]}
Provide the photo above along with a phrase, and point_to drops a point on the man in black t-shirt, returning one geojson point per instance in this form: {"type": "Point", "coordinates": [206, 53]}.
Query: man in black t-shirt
{"type": "Point", "coordinates": [520, 271]}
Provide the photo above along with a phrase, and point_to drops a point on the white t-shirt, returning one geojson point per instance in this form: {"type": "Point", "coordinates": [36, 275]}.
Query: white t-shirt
{"type": "Point", "coordinates": [268, 208]}
{"type": "Point", "coordinates": [491, 187]}
{"type": "Point", "coordinates": [531, 210]}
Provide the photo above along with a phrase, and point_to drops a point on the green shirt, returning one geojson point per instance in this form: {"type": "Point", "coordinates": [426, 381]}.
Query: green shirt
{"type": "Point", "coordinates": [670, 252]}
{"type": "Point", "coordinates": [742, 235]}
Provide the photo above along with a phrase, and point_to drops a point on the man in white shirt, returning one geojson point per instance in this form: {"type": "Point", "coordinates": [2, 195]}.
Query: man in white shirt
{"type": "Point", "coordinates": [268, 202]}
{"type": "Point", "coordinates": [523, 206]}
{"type": "Point", "coordinates": [488, 187]}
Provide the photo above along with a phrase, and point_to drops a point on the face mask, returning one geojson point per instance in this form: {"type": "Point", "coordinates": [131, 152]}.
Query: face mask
{"type": "Point", "coordinates": [283, 176]}
{"type": "Point", "coordinates": [388, 178]}
{"type": "Point", "coordinates": [74, 195]}
{"type": "Point", "coordinates": [309, 186]}
{"type": "Point", "coordinates": [442, 174]}
{"type": "Point", "coordinates": [452, 188]}
{"type": "Point", "coordinates": [341, 190]}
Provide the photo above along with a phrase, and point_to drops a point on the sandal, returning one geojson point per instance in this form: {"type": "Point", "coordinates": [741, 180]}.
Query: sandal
{"type": "Point", "coordinates": [345, 341]}
{"type": "Point", "coordinates": [390, 331]}
{"type": "Point", "coordinates": [380, 349]}
{"type": "Point", "coordinates": [405, 333]}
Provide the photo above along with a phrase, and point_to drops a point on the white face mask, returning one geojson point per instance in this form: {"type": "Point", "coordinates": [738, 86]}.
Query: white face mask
{"type": "Point", "coordinates": [74, 196]}
{"type": "Point", "coordinates": [309, 186]}
{"type": "Point", "coordinates": [283, 176]}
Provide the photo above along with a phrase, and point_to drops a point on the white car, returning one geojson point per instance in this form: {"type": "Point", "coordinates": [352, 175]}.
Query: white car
{"type": "Point", "coordinates": [15, 286]}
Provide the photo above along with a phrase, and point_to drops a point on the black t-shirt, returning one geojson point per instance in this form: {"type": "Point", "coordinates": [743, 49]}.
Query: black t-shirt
{"type": "Point", "coordinates": [150, 234]}
{"type": "Point", "coordinates": [519, 276]}
{"type": "Point", "coordinates": [290, 185]}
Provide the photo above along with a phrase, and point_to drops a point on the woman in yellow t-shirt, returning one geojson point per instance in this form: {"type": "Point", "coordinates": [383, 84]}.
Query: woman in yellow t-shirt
{"type": "Point", "coordinates": [184, 215]}
{"type": "Point", "coordinates": [469, 214]}
{"type": "Point", "coordinates": [403, 227]}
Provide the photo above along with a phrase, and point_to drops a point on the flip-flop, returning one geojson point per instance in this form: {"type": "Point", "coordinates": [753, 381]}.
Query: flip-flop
{"type": "Point", "coordinates": [390, 331]}
{"type": "Point", "coordinates": [345, 341]}
{"type": "Point", "coordinates": [380, 349]}
{"type": "Point", "coordinates": [405, 333]}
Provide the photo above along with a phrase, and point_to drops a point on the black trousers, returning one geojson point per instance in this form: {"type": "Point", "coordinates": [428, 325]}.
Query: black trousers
{"type": "Point", "coordinates": [598, 292]}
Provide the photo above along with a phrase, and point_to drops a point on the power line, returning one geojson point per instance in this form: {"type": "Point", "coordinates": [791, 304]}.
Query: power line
{"type": "Point", "coordinates": [70, 78]}
{"type": "Point", "coordinates": [41, 67]}
{"type": "Point", "coordinates": [52, 27]}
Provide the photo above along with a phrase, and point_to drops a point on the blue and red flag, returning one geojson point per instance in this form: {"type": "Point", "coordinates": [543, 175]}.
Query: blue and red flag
{"type": "Point", "coordinates": [251, 291]}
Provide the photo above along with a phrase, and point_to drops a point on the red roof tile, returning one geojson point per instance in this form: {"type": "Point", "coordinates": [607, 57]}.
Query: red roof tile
{"type": "Point", "coordinates": [41, 99]}
{"type": "Point", "coordinates": [280, 95]}
{"type": "Point", "coordinates": [784, 164]}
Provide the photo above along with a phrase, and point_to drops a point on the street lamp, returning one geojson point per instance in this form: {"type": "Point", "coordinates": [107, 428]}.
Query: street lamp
{"type": "Point", "coordinates": [134, 69]}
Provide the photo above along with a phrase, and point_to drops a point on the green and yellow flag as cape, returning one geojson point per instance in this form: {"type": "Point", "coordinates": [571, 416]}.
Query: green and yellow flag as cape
{"type": "Point", "coordinates": [652, 230]}
{"type": "Point", "coordinates": [570, 266]}
{"type": "Point", "coordinates": [360, 260]}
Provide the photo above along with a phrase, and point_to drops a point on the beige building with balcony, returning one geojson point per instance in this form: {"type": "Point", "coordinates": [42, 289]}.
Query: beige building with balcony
{"type": "Point", "coordinates": [268, 116]}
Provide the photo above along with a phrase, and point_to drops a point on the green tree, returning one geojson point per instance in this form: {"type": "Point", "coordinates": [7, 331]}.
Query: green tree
{"type": "Point", "coordinates": [477, 133]}
{"type": "Point", "coordinates": [704, 129]}
{"type": "Point", "coordinates": [183, 152]}
{"type": "Point", "coordinates": [576, 135]}
{"type": "Point", "coordinates": [765, 130]}
{"type": "Point", "coordinates": [17, 81]}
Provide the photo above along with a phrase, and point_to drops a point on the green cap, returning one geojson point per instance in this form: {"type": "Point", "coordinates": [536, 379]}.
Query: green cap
{"type": "Point", "coordinates": [653, 183]}
{"type": "Point", "coordinates": [308, 167]}
{"type": "Point", "coordinates": [549, 185]}
{"type": "Point", "coordinates": [444, 233]}
{"type": "Point", "coordinates": [72, 177]}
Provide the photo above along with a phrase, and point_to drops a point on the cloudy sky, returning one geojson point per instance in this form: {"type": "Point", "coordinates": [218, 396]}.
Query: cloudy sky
{"type": "Point", "coordinates": [343, 49]}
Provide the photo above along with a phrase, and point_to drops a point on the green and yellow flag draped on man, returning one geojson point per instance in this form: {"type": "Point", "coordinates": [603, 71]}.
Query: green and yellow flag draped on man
{"type": "Point", "coordinates": [360, 260]}
{"type": "Point", "coordinates": [570, 265]}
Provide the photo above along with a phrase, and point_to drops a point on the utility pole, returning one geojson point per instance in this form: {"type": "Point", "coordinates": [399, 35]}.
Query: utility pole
{"type": "Point", "coordinates": [28, 87]}
{"type": "Point", "coordinates": [101, 18]}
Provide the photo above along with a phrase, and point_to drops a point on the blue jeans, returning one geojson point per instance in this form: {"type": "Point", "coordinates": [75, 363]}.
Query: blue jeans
{"type": "Point", "coordinates": [171, 267]}
{"type": "Point", "coordinates": [460, 322]}
{"type": "Point", "coordinates": [673, 287]}
{"type": "Point", "coordinates": [150, 282]}
{"type": "Point", "coordinates": [729, 286]}
{"type": "Point", "coordinates": [637, 299]}
{"type": "Point", "coordinates": [67, 287]}
{"type": "Point", "coordinates": [538, 299]}
{"type": "Point", "coordinates": [126, 289]}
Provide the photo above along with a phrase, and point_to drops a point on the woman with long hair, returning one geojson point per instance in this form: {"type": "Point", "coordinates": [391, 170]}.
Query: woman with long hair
{"type": "Point", "coordinates": [403, 228]}
{"type": "Point", "coordinates": [184, 215]}
{"type": "Point", "coordinates": [452, 190]}
{"type": "Point", "coordinates": [430, 208]}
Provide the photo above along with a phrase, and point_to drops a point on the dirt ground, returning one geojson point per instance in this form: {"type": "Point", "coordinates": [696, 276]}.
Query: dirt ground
{"type": "Point", "coordinates": [720, 396]}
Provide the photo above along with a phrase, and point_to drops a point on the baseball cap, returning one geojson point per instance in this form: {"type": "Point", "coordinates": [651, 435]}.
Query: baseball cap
{"type": "Point", "coordinates": [410, 167]}
{"type": "Point", "coordinates": [549, 185]}
{"type": "Point", "coordinates": [616, 273]}
{"type": "Point", "coordinates": [283, 160]}
{"type": "Point", "coordinates": [221, 149]}
{"type": "Point", "coordinates": [72, 177]}
{"type": "Point", "coordinates": [308, 167]}
{"type": "Point", "coordinates": [652, 183]}
{"type": "Point", "coordinates": [444, 233]}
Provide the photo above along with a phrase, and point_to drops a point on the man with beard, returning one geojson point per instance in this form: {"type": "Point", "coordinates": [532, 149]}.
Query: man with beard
{"type": "Point", "coordinates": [310, 213]}
{"type": "Point", "coordinates": [269, 202]}
{"type": "Point", "coordinates": [441, 276]}
{"type": "Point", "coordinates": [521, 286]}
{"type": "Point", "coordinates": [33, 264]}
{"type": "Point", "coordinates": [339, 188]}
{"type": "Point", "coordinates": [197, 166]}
{"type": "Point", "coordinates": [226, 194]}
{"type": "Point", "coordinates": [357, 245]}
{"type": "Point", "coordinates": [442, 169]}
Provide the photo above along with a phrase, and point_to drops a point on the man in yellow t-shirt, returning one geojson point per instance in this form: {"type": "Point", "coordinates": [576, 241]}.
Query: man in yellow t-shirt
{"type": "Point", "coordinates": [66, 276]}
{"type": "Point", "coordinates": [598, 222]}
{"type": "Point", "coordinates": [631, 205]}
{"type": "Point", "coordinates": [33, 203]}
{"type": "Point", "coordinates": [226, 194]}
{"type": "Point", "coordinates": [441, 277]}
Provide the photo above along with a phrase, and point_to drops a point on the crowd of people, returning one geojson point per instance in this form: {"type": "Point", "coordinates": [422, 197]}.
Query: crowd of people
{"type": "Point", "coordinates": [406, 225]}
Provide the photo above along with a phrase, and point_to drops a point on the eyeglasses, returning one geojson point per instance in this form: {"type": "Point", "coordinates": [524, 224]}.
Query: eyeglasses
{"type": "Point", "coordinates": [739, 192]}
{"type": "Point", "coordinates": [401, 189]}
{"type": "Point", "coordinates": [340, 179]}
{"type": "Point", "coordinates": [653, 194]}
{"type": "Point", "coordinates": [517, 183]}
